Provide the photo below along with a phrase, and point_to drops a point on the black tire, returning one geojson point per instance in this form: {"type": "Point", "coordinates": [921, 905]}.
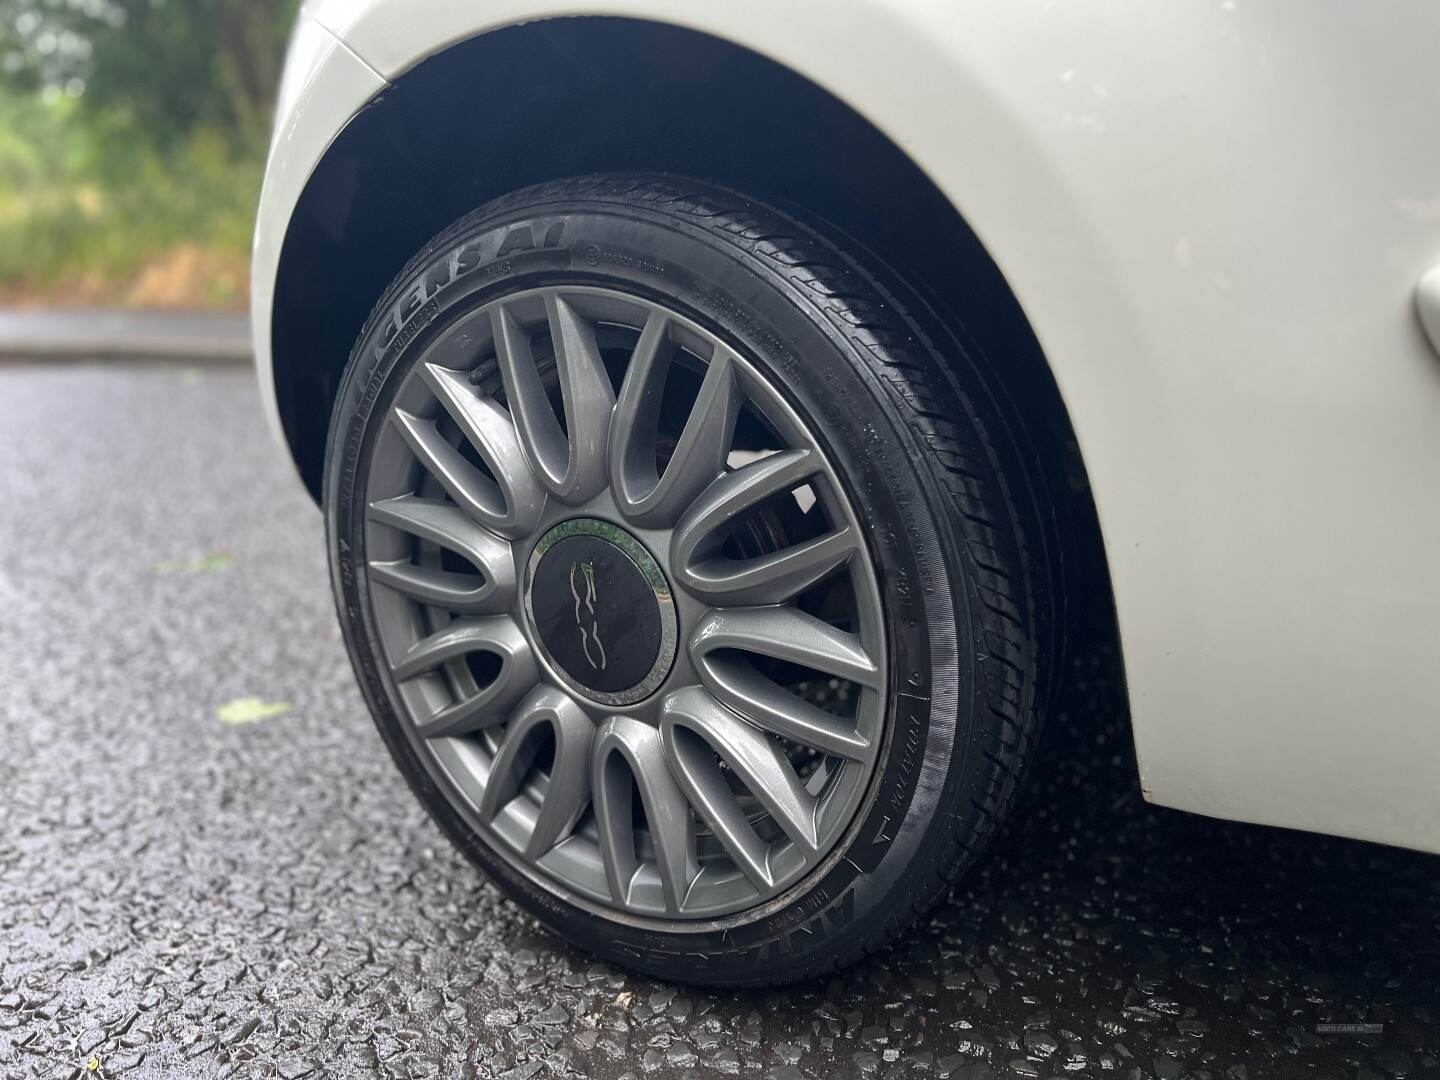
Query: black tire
{"type": "Point", "coordinates": [932, 463]}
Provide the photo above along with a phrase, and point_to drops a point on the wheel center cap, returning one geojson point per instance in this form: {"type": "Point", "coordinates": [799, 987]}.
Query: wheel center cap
{"type": "Point", "coordinates": [602, 611]}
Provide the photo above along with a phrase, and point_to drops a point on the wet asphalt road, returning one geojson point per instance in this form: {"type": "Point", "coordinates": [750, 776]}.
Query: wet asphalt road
{"type": "Point", "coordinates": [180, 896]}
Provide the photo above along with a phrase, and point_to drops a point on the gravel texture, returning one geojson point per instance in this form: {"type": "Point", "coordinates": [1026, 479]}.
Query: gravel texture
{"type": "Point", "coordinates": [182, 895]}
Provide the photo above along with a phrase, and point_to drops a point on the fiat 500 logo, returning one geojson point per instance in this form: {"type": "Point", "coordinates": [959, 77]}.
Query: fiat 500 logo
{"type": "Point", "coordinates": [582, 588]}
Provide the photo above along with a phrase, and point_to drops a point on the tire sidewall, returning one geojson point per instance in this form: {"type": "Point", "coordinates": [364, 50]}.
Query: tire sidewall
{"type": "Point", "coordinates": [802, 344]}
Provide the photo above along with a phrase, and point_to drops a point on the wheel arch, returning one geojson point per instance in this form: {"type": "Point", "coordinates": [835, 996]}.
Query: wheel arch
{"type": "Point", "coordinates": [1100, 178]}
{"type": "Point", "coordinates": [662, 99]}
{"type": "Point", "coordinates": [657, 98]}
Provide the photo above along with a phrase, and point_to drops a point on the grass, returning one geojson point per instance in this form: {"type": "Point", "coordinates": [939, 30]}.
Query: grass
{"type": "Point", "coordinates": [91, 218]}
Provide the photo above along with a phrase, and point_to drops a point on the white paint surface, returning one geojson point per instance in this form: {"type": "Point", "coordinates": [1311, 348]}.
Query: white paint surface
{"type": "Point", "coordinates": [1215, 216]}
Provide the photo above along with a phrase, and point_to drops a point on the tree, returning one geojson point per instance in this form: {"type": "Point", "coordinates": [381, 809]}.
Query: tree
{"type": "Point", "coordinates": [153, 70]}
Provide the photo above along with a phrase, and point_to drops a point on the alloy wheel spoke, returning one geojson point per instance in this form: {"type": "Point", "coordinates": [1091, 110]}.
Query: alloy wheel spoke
{"type": "Point", "coordinates": [570, 461]}
{"type": "Point", "coordinates": [626, 750]}
{"type": "Point", "coordinates": [496, 635]}
{"type": "Point", "coordinates": [475, 493]}
{"type": "Point", "coordinates": [456, 639]}
{"type": "Point", "coordinates": [718, 649]}
{"type": "Point", "coordinates": [546, 708]}
{"type": "Point", "coordinates": [755, 759]}
{"type": "Point", "coordinates": [511, 503]}
{"type": "Point", "coordinates": [635, 428]}
{"type": "Point", "coordinates": [448, 526]}
{"type": "Point", "coordinates": [763, 703]}
{"type": "Point", "coordinates": [786, 633]}
{"type": "Point", "coordinates": [643, 494]}
{"type": "Point", "coordinates": [771, 578]}
{"type": "Point", "coordinates": [699, 775]}
{"type": "Point", "coordinates": [430, 585]}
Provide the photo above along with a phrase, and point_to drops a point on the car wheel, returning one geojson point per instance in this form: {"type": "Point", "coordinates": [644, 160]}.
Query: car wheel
{"type": "Point", "coordinates": [679, 561]}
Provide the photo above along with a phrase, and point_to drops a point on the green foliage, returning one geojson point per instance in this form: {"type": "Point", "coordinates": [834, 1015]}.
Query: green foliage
{"type": "Point", "coordinates": [74, 210]}
{"type": "Point", "coordinates": [153, 70]}
{"type": "Point", "coordinates": [130, 129]}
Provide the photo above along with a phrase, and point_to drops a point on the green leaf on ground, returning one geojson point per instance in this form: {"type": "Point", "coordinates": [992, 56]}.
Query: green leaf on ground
{"type": "Point", "coordinates": [247, 710]}
{"type": "Point", "coordinates": [210, 563]}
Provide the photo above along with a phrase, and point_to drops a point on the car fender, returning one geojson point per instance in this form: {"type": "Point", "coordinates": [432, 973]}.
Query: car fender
{"type": "Point", "coordinates": [1214, 217]}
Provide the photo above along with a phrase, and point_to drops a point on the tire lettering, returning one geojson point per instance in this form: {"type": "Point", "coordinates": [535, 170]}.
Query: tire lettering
{"type": "Point", "coordinates": [517, 239]}
{"type": "Point", "coordinates": [463, 260]}
{"type": "Point", "coordinates": [804, 936]}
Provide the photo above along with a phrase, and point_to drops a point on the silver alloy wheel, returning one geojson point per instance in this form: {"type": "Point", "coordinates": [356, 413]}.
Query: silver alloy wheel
{"type": "Point", "coordinates": [638, 634]}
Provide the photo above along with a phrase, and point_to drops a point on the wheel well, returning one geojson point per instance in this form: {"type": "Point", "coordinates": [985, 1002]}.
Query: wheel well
{"type": "Point", "coordinates": [570, 96]}
{"type": "Point", "coordinates": [567, 96]}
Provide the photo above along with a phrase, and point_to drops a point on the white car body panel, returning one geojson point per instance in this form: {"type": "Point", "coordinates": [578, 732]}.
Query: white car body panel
{"type": "Point", "coordinates": [1215, 216]}
{"type": "Point", "coordinates": [323, 86]}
